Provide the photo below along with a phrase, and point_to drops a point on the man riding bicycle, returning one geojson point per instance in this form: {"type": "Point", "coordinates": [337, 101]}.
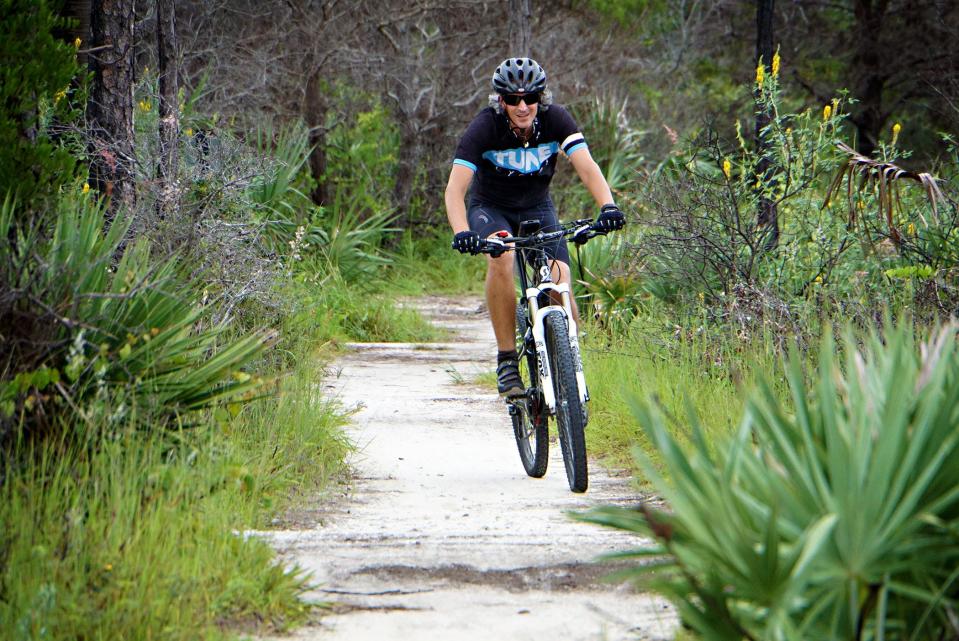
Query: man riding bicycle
{"type": "Point", "coordinates": [511, 148]}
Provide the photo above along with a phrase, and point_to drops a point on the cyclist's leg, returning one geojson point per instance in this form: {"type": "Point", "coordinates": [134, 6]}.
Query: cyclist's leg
{"type": "Point", "coordinates": [487, 220]}
{"type": "Point", "coordinates": [561, 274]}
{"type": "Point", "coordinates": [501, 300]}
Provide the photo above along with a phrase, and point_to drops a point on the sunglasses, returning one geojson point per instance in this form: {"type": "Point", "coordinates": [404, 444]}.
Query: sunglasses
{"type": "Point", "coordinates": [513, 99]}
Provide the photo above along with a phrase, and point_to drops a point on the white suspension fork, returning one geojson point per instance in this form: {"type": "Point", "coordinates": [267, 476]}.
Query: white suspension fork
{"type": "Point", "coordinates": [539, 338]}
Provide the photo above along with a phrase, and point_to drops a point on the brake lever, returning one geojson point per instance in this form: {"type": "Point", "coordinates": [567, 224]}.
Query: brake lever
{"type": "Point", "coordinates": [494, 247]}
{"type": "Point", "coordinates": [581, 235]}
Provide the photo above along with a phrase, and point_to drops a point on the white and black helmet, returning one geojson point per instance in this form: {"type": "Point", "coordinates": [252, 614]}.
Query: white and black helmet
{"type": "Point", "coordinates": [519, 75]}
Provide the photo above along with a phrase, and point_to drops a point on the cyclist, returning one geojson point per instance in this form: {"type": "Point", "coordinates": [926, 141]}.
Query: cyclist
{"type": "Point", "coordinates": [506, 160]}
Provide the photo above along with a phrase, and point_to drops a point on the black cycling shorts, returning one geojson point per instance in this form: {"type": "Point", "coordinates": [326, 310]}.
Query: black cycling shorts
{"type": "Point", "coordinates": [486, 219]}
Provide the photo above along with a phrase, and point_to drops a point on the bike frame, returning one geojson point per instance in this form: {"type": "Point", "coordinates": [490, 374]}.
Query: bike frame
{"type": "Point", "coordinates": [534, 293]}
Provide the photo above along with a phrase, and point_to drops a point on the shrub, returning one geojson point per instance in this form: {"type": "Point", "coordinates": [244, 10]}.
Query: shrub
{"type": "Point", "coordinates": [702, 232]}
{"type": "Point", "coordinates": [835, 520]}
{"type": "Point", "coordinates": [115, 340]}
{"type": "Point", "coordinates": [609, 282]}
{"type": "Point", "coordinates": [36, 102]}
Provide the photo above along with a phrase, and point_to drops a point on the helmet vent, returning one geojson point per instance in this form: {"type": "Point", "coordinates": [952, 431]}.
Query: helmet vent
{"type": "Point", "coordinates": [515, 75]}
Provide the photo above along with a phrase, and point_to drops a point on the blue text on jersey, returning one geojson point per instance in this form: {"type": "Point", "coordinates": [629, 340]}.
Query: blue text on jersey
{"type": "Point", "coordinates": [524, 160]}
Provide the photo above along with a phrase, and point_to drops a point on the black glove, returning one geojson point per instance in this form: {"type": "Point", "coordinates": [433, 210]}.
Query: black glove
{"type": "Point", "coordinates": [610, 219]}
{"type": "Point", "coordinates": [466, 242]}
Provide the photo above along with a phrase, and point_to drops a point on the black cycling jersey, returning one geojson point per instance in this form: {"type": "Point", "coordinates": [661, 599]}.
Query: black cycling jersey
{"type": "Point", "coordinates": [510, 173]}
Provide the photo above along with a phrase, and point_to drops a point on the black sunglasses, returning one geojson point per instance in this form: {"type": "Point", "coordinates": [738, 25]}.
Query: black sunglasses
{"type": "Point", "coordinates": [513, 99]}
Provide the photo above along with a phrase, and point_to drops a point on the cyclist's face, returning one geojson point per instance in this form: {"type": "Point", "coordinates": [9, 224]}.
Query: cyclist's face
{"type": "Point", "coordinates": [521, 115]}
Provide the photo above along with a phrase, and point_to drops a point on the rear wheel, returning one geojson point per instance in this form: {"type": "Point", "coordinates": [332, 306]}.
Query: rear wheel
{"type": "Point", "coordinates": [529, 417]}
{"type": "Point", "coordinates": [570, 418]}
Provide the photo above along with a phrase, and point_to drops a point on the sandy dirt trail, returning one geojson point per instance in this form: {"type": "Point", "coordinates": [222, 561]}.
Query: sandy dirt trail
{"type": "Point", "coordinates": [441, 534]}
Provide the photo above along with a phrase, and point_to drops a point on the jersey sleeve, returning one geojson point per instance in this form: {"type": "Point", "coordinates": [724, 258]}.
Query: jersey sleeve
{"type": "Point", "coordinates": [470, 149]}
{"type": "Point", "coordinates": [568, 133]}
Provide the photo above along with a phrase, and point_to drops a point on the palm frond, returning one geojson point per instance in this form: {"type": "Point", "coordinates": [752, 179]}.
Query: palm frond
{"type": "Point", "coordinates": [884, 177]}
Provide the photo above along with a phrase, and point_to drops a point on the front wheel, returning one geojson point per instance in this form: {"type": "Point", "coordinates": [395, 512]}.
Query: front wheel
{"type": "Point", "coordinates": [570, 419]}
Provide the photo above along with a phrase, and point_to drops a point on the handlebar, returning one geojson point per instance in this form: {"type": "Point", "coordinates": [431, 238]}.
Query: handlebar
{"type": "Point", "coordinates": [581, 230]}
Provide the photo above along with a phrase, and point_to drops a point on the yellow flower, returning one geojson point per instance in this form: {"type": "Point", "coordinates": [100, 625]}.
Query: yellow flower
{"type": "Point", "coordinates": [189, 132]}
{"type": "Point", "coordinates": [818, 280]}
{"type": "Point", "coordinates": [108, 566]}
{"type": "Point", "coordinates": [144, 105]}
{"type": "Point", "coordinates": [76, 43]}
{"type": "Point", "coordinates": [760, 74]}
{"type": "Point", "coordinates": [826, 112]}
{"type": "Point", "coordinates": [775, 64]}
{"type": "Point", "coordinates": [911, 229]}
{"type": "Point", "coordinates": [86, 188]}
{"type": "Point", "coordinates": [896, 128]}
{"type": "Point", "coordinates": [727, 168]}
{"type": "Point", "coordinates": [60, 95]}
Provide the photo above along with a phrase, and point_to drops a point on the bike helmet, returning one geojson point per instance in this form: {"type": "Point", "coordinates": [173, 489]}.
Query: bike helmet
{"type": "Point", "coordinates": [519, 75]}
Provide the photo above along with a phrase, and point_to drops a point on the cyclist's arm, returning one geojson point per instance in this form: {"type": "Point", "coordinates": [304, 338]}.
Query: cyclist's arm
{"type": "Point", "coordinates": [460, 179]}
{"type": "Point", "coordinates": [592, 176]}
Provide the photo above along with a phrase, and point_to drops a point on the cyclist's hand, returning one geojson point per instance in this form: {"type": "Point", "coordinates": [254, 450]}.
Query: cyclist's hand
{"type": "Point", "coordinates": [466, 242]}
{"type": "Point", "coordinates": [610, 219]}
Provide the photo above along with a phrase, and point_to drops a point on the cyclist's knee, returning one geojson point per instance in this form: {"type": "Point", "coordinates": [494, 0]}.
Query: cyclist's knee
{"type": "Point", "coordinates": [560, 271]}
{"type": "Point", "coordinates": [502, 264]}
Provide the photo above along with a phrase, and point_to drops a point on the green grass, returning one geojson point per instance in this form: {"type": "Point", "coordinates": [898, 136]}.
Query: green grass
{"type": "Point", "coordinates": [426, 264]}
{"type": "Point", "coordinates": [335, 311]}
{"type": "Point", "coordinates": [141, 538]}
{"type": "Point", "coordinates": [488, 378]}
{"type": "Point", "coordinates": [678, 370]}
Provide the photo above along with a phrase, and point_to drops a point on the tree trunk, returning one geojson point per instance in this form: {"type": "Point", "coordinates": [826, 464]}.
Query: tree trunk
{"type": "Point", "coordinates": [80, 12]}
{"type": "Point", "coordinates": [410, 157]}
{"type": "Point", "coordinates": [167, 196]}
{"type": "Point", "coordinates": [519, 29]}
{"type": "Point", "coordinates": [316, 108]}
{"type": "Point", "coordinates": [767, 215]}
{"type": "Point", "coordinates": [871, 79]}
{"type": "Point", "coordinates": [110, 105]}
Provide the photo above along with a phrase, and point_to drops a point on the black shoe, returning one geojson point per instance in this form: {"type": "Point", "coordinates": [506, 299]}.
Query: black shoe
{"type": "Point", "coordinates": [508, 380]}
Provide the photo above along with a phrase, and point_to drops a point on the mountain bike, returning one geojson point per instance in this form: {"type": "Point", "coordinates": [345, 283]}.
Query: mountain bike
{"type": "Point", "coordinates": [548, 342]}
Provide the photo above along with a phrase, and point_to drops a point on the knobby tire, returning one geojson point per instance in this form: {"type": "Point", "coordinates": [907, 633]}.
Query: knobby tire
{"type": "Point", "coordinates": [529, 420]}
{"type": "Point", "coordinates": [570, 419]}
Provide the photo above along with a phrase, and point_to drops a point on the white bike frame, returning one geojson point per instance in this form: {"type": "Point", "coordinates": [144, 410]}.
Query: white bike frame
{"type": "Point", "coordinates": [537, 314]}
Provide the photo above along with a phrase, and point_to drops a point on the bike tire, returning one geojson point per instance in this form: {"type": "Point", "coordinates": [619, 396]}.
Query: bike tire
{"type": "Point", "coordinates": [570, 419]}
{"type": "Point", "coordinates": [530, 426]}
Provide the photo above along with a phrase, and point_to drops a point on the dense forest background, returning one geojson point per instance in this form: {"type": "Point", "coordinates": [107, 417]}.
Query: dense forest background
{"type": "Point", "coordinates": [670, 68]}
{"type": "Point", "coordinates": [673, 66]}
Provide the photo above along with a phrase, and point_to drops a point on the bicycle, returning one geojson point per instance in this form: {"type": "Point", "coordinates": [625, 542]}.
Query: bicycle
{"type": "Point", "coordinates": [548, 339]}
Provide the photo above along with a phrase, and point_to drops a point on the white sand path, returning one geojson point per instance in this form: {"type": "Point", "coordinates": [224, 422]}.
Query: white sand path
{"type": "Point", "coordinates": [441, 534]}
